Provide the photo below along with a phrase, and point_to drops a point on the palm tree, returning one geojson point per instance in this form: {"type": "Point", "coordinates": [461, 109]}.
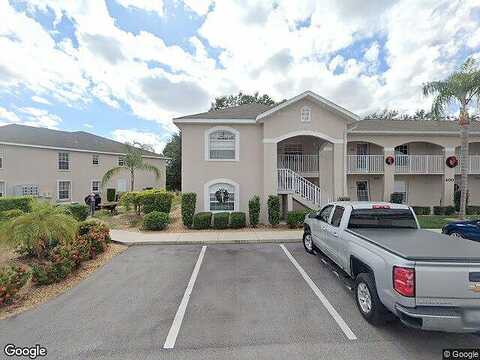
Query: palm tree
{"type": "Point", "coordinates": [462, 89]}
{"type": "Point", "coordinates": [132, 161]}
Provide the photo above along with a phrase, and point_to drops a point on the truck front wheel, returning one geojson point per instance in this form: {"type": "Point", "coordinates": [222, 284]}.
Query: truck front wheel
{"type": "Point", "coordinates": [308, 243]}
{"type": "Point", "coordinates": [368, 301]}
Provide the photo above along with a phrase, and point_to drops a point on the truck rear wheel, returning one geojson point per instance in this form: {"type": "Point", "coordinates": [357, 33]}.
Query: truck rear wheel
{"type": "Point", "coordinates": [308, 243]}
{"type": "Point", "coordinates": [367, 300]}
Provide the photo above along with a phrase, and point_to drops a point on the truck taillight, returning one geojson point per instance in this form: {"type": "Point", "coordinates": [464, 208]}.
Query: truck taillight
{"type": "Point", "coordinates": [404, 281]}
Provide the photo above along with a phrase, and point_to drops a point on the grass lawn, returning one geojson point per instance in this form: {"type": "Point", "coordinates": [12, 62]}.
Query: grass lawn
{"type": "Point", "coordinates": [437, 221]}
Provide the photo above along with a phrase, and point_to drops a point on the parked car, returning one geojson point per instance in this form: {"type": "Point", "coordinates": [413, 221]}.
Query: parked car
{"type": "Point", "coordinates": [394, 267]}
{"type": "Point", "coordinates": [468, 229]}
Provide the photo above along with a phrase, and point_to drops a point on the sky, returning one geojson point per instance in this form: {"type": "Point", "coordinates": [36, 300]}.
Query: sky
{"type": "Point", "coordinates": [124, 68]}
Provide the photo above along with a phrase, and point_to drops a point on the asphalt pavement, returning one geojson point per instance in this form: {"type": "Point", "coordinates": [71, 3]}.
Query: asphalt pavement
{"type": "Point", "coordinates": [242, 302]}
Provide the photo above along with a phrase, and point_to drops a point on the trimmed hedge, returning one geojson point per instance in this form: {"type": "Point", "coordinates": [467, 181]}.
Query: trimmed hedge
{"type": "Point", "coordinates": [221, 220]}
{"type": "Point", "coordinates": [254, 210]}
{"type": "Point", "coordinates": [202, 220]}
{"type": "Point", "coordinates": [12, 279]}
{"type": "Point", "coordinates": [274, 210]}
{"type": "Point", "coordinates": [421, 210]}
{"type": "Point", "coordinates": [130, 198]}
{"type": "Point", "coordinates": [473, 210]}
{"type": "Point", "coordinates": [295, 218]}
{"type": "Point", "coordinates": [10, 214]}
{"type": "Point", "coordinates": [111, 195]}
{"type": "Point", "coordinates": [23, 203]}
{"type": "Point", "coordinates": [78, 211]}
{"type": "Point", "coordinates": [189, 201]}
{"type": "Point", "coordinates": [238, 220]}
{"type": "Point", "coordinates": [156, 220]}
{"type": "Point", "coordinates": [156, 200]}
{"type": "Point", "coordinates": [443, 210]}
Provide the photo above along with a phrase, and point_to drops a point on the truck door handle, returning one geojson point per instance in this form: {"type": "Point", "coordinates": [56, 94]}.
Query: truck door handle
{"type": "Point", "coordinates": [322, 227]}
{"type": "Point", "coordinates": [335, 233]}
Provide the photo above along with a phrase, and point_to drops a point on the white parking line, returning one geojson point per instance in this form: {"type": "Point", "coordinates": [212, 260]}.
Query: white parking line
{"type": "Point", "coordinates": [336, 316]}
{"type": "Point", "coordinates": [177, 321]}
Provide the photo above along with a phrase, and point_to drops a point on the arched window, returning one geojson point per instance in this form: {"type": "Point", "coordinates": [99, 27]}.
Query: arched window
{"type": "Point", "coordinates": [306, 114]}
{"type": "Point", "coordinates": [222, 144]}
{"type": "Point", "coordinates": [221, 195]}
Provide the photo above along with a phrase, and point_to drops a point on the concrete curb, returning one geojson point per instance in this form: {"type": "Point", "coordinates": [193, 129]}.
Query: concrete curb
{"type": "Point", "coordinates": [206, 242]}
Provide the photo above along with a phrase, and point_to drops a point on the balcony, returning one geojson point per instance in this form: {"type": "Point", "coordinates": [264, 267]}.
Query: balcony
{"type": "Point", "coordinates": [365, 164]}
{"type": "Point", "coordinates": [473, 165]}
{"type": "Point", "coordinates": [298, 163]}
{"type": "Point", "coordinates": [419, 164]}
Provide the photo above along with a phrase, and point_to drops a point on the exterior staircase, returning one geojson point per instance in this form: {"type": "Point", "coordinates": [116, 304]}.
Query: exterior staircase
{"type": "Point", "coordinates": [302, 190]}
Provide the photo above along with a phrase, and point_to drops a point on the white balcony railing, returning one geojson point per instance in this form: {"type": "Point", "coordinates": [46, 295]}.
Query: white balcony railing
{"type": "Point", "coordinates": [473, 164]}
{"type": "Point", "coordinates": [365, 164]}
{"type": "Point", "coordinates": [298, 163]}
{"type": "Point", "coordinates": [419, 164]}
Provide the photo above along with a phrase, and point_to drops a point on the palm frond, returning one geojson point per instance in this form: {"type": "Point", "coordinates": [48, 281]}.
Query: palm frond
{"type": "Point", "coordinates": [151, 168]}
{"type": "Point", "coordinates": [110, 174]}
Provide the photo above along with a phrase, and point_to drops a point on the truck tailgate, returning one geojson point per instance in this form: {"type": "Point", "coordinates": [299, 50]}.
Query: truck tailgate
{"type": "Point", "coordinates": [441, 283]}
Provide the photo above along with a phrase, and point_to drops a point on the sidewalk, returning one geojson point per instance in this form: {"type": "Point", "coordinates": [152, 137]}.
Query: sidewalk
{"type": "Point", "coordinates": [207, 237]}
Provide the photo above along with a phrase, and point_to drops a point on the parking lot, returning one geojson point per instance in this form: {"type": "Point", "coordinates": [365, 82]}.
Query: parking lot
{"type": "Point", "coordinates": [262, 301]}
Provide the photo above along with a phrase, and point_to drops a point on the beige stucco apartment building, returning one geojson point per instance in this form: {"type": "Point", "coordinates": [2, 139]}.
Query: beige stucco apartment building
{"type": "Point", "coordinates": [61, 166]}
{"type": "Point", "coordinates": [311, 151]}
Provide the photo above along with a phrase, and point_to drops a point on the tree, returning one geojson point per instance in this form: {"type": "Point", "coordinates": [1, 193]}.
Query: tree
{"type": "Point", "coordinates": [224, 102]}
{"type": "Point", "coordinates": [173, 150]}
{"type": "Point", "coordinates": [392, 114]}
{"type": "Point", "coordinates": [461, 89]}
{"type": "Point", "coordinates": [132, 161]}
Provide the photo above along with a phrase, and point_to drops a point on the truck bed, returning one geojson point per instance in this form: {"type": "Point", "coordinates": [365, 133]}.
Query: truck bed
{"type": "Point", "coordinates": [418, 245]}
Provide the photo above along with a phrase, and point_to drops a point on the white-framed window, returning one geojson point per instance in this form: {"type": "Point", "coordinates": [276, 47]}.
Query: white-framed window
{"type": "Point", "coordinates": [64, 190]}
{"type": "Point", "coordinates": [95, 159]}
{"type": "Point", "coordinates": [306, 114]}
{"type": "Point", "coordinates": [30, 190]}
{"type": "Point", "coordinates": [2, 188]}
{"type": "Point", "coordinates": [401, 186]}
{"type": "Point", "coordinates": [221, 195]}
{"type": "Point", "coordinates": [121, 185]}
{"type": "Point", "coordinates": [96, 186]}
{"type": "Point", "coordinates": [401, 149]}
{"type": "Point", "coordinates": [63, 161]}
{"type": "Point", "coordinates": [121, 161]}
{"type": "Point", "coordinates": [222, 144]}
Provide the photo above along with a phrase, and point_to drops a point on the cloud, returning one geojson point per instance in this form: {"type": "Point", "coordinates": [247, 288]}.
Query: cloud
{"type": "Point", "coordinates": [133, 135]}
{"type": "Point", "coordinates": [147, 5]}
{"type": "Point", "coordinates": [88, 126]}
{"type": "Point", "coordinates": [371, 54]}
{"type": "Point", "coordinates": [8, 116]}
{"type": "Point", "coordinates": [181, 96]}
{"type": "Point", "coordinates": [39, 117]}
{"type": "Point", "coordinates": [40, 100]}
{"type": "Point", "coordinates": [107, 47]}
{"type": "Point", "coordinates": [199, 6]}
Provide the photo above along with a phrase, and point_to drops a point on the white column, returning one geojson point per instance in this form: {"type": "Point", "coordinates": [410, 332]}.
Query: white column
{"type": "Point", "coordinates": [338, 170]}
{"type": "Point", "coordinates": [269, 178]}
{"type": "Point", "coordinates": [388, 174]}
{"type": "Point", "coordinates": [448, 180]}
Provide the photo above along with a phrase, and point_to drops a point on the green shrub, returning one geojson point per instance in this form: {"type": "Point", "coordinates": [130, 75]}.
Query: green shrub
{"type": "Point", "coordinates": [202, 220]}
{"type": "Point", "coordinates": [78, 211]}
{"type": "Point", "coordinates": [439, 210]}
{"type": "Point", "coordinates": [132, 198]}
{"type": "Point", "coordinates": [221, 220]}
{"type": "Point", "coordinates": [254, 210]}
{"type": "Point", "coordinates": [295, 218]}
{"type": "Point", "coordinates": [274, 210]}
{"type": "Point", "coordinates": [111, 193]}
{"type": "Point", "coordinates": [396, 198]}
{"type": "Point", "coordinates": [449, 210]}
{"type": "Point", "coordinates": [10, 214]}
{"type": "Point", "coordinates": [421, 210]}
{"type": "Point", "coordinates": [12, 279]}
{"type": "Point", "coordinates": [93, 238]}
{"type": "Point", "coordinates": [188, 208]}
{"type": "Point", "coordinates": [238, 220]}
{"type": "Point", "coordinates": [23, 203]}
{"type": "Point", "coordinates": [473, 210]}
{"type": "Point", "coordinates": [156, 220]}
{"type": "Point", "coordinates": [156, 200]}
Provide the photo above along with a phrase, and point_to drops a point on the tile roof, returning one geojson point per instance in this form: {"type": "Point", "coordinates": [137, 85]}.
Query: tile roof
{"type": "Point", "coordinates": [437, 126]}
{"type": "Point", "coordinates": [77, 140]}
{"type": "Point", "coordinates": [246, 111]}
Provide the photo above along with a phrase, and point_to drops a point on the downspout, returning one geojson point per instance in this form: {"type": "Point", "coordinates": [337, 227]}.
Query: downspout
{"type": "Point", "coordinates": [345, 189]}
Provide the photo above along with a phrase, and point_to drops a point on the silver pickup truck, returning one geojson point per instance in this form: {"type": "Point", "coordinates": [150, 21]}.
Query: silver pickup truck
{"type": "Point", "coordinates": [428, 280]}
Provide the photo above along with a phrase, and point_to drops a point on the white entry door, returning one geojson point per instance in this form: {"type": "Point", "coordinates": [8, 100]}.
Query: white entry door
{"type": "Point", "coordinates": [121, 185]}
{"type": "Point", "coordinates": [400, 186]}
{"type": "Point", "coordinates": [362, 191]}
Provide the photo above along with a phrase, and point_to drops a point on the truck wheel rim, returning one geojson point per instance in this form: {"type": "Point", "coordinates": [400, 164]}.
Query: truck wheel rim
{"type": "Point", "coordinates": [456, 235]}
{"type": "Point", "coordinates": [308, 242]}
{"type": "Point", "coordinates": [364, 298]}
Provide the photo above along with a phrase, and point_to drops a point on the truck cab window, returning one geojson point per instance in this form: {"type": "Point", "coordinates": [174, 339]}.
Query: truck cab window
{"type": "Point", "coordinates": [324, 215]}
{"type": "Point", "coordinates": [337, 216]}
{"type": "Point", "coordinates": [382, 218]}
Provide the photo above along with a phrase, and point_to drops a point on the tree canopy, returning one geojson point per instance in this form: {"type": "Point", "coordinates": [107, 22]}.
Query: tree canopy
{"type": "Point", "coordinates": [392, 114]}
{"type": "Point", "coordinates": [227, 101]}
{"type": "Point", "coordinates": [173, 150]}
